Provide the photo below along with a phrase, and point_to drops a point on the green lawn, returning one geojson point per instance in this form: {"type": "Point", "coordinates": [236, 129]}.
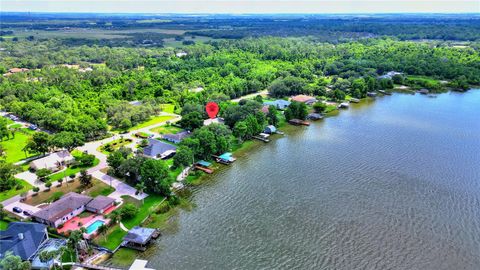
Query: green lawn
{"type": "Point", "coordinates": [166, 129]}
{"type": "Point", "coordinates": [113, 238]}
{"type": "Point", "coordinates": [13, 192]}
{"type": "Point", "coordinates": [13, 147]}
{"type": "Point", "coordinates": [70, 170]}
{"type": "Point", "coordinates": [168, 108]}
{"type": "Point", "coordinates": [150, 203]}
{"type": "Point", "coordinates": [100, 189]}
{"type": "Point", "coordinates": [114, 145]}
{"type": "Point", "coordinates": [3, 224]}
{"type": "Point", "coordinates": [124, 257]}
{"type": "Point", "coordinates": [153, 121]}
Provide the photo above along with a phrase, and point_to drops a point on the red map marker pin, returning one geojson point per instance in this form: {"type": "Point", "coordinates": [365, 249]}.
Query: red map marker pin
{"type": "Point", "coordinates": [212, 109]}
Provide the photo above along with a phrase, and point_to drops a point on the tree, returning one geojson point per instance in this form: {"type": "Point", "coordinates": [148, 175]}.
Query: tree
{"type": "Point", "coordinates": [4, 132]}
{"type": "Point", "coordinates": [86, 160]}
{"type": "Point", "coordinates": [272, 115]}
{"type": "Point", "coordinates": [42, 174]}
{"type": "Point", "coordinates": [319, 107]}
{"type": "Point", "coordinates": [115, 160]}
{"type": "Point", "coordinates": [192, 120]}
{"type": "Point", "coordinates": [12, 262]}
{"type": "Point", "coordinates": [128, 211]}
{"type": "Point", "coordinates": [85, 178]}
{"type": "Point", "coordinates": [140, 188]}
{"type": "Point", "coordinates": [296, 110]}
{"type": "Point", "coordinates": [240, 130]}
{"type": "Point", "coordinates": [48, 185]}
{"type": "Point", "coordinates": [102, 230]}
{"type": "Point", "coordinates": [68, 140]}
{"type": "Point", "coordinates": [39, 143]}
{"type": "Point", "coordinates": [338, 95]}
{"type": "Point", "coordinates": [3, 214]}
{"type": "Point", "coordinates": [115, 216]}
{"type": "Point", "coordinates": [155, 175]}
{"type": "Point", "coordinates": [7, 179]}
{"type": "Point", "coordinates": [130, 169]}
{"type": "Point", "coordinates": [183, 157]}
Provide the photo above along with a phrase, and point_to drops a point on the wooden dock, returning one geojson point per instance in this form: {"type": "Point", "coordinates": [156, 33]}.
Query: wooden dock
{"type": "Point", "coordinates": [298, 122]}
{"type": "Point", "coordinates": [207, 170]}
{"type": "Point", "coordinates": [260, 138]}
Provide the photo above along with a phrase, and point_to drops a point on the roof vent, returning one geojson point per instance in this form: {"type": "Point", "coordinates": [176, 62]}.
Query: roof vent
{"type": "Point", "coordinates": [20, 236]}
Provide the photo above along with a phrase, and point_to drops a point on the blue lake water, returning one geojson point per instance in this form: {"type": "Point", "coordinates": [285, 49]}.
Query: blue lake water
{"type": "Point", "coordinates": [388, 184]}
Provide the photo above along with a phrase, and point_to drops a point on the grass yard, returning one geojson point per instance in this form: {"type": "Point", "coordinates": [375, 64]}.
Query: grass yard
{"type": "Point", "coordinates": [97, 188]}
{"type": "Point", "coordinates": [114, 145]}
{"type": "Point", "coordinates": [124, 257]}
{"type": "Point", "coordinates": [166, 129]}
{"type": "Point", "coordinates": [3, 224]}
{"type": "Point", "coordinates": [70, 170]}
{"type": "Point", "coordinates": [112, 239]}
{"type": "Point", "coordinates": [13, 147]}
{"type": "Point", "coordinates": [149, 205]}
{"type": "Point", "coordinates": [155, 120]}
{"type": "Point", "coordinates": [168, 108]}
{"type": "Point", "coordinates": [13, 192]}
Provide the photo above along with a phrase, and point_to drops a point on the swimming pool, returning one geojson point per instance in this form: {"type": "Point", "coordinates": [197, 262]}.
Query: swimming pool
{"type": "Point", "coordinates": [94, 226]}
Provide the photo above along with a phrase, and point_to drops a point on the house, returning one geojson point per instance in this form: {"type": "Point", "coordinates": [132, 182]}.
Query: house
{"type": "Point", "coordinates": [314, 116]}
{"type": "Point", "coordinates": [270, 129]}
{"type": "Point", "coordinates": [67, 207]}
{"type": "Point", "coordinates": [389, 75]}
{"type": "Point", "coordinates": [176, 138]}
{"type": "Point", "coordinates": [54, 161]}
{"type": "Point", "coordinates": [100, 204]}
{"type": "Point", "coordinates": [135, 103]}
{"type": "Point", "coordinates": [309, 100]}
{"type": "Point", "coordinates": [280, 104]}
{"type": "Point", "coordinates": [159, 149]}
{"type": "Point", "coordinates": [139, 237]}
{"type": "Point", "coordinates": [216, 120]}
{"type": "Point", "coordinates": [22, 239]}
{"type": "Point", "coordinates": [225, 158]}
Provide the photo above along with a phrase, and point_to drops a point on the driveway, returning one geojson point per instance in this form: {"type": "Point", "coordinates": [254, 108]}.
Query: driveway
{"type": "Point", "coordinates": [121, 188]}
{"type": "Point", "coordinates": [23, 206]}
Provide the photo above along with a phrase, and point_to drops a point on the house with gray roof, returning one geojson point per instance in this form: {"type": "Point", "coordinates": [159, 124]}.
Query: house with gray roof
{"type": "Point", "coordinates": [139, 237]}
{"type": "Point", "coordinates": [178, 137]}
{"type": "Point", "coordinates": [158, 149]}
{"type": "Point", "coordinates": [100, 204]}
{"type": "Point", "coordinates": [22, 239]}
{"type": "Point", "coordinates": [67, 207]}
{"type": "Point", "coordinates": [280, 104]}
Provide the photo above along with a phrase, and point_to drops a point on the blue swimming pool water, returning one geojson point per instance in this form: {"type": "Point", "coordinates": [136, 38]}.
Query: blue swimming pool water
{"type": "Point", "coordinates": [94, 226]}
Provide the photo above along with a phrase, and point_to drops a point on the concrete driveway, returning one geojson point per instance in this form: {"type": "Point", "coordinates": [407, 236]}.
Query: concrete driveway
{"type": "Point", "coordinates": [22, 206]}
{"type": "Point", "coordinates": [121, 188]}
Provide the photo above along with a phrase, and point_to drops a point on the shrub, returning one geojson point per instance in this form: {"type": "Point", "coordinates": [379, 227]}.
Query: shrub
{"type": "Point", "coordinates": [19, 186]}
{"type": "Point", "coordinates": [36, 189]}
{"type": "Point", "coordinates": [128, 211]}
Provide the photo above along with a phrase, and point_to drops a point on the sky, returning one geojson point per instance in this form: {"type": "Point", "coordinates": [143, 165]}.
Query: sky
{"type": "Point", "coordinates": [243, 6]}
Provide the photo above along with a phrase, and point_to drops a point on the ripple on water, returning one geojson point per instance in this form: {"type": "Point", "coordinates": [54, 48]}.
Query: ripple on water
{"type": "Point", "coordinates": [392, 185]}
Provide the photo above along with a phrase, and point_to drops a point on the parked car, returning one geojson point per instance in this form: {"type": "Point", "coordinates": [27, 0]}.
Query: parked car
{"type": "Point", "coordinates": [17, 209]}
{"type": "Point", "coordinates": [27, 213]}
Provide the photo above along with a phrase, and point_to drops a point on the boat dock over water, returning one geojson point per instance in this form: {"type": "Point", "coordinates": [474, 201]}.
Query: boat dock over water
{"type": "Point", "coordinates": [298, 122]}
{"type": "Point", "coordinates": [384, 92]}
{"type": "Point", "coordinates": [262, 137]}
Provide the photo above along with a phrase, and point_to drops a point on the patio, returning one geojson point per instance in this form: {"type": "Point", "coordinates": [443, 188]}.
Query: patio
{"type": "Point", "coordinates": [84, 219]}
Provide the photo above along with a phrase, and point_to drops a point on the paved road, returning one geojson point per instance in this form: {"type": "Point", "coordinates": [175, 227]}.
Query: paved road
{"type": "Point", "coordinates": [262, 93]}
{"type": "Point", "coordinates": [121, 188]}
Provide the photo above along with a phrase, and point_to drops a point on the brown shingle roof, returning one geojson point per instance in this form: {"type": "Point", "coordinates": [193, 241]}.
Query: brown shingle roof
{"type": "Point", "coordinates": [100, 202]}
{"type": "Point", "coordinates": [65, 205]}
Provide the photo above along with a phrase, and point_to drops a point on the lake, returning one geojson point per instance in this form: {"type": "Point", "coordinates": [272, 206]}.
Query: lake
{"type": "Point", "coordinates": [387, 184]}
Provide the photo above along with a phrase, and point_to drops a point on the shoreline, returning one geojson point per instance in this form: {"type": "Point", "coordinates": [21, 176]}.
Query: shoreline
{"type": "Point", "coordinates": [169, 218]}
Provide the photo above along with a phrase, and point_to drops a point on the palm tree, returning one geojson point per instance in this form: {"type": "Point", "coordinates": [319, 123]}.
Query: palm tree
{"type": "Point", "coordinates": [103, 231]}
{"type": "Point", "coordinates": [115, 216]}
{"type": "Point", "coordinates": [140, 187]}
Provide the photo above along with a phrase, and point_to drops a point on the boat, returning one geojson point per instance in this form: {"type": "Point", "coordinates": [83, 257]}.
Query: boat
{"type": "Point", "coordinates": [343, 105]}
{"type": "Point", "coordinates": [371, 94]}
{"type": "Point", "coordinates": [385, 92]}
{"type": "Point", "coordinates": [354, 100]}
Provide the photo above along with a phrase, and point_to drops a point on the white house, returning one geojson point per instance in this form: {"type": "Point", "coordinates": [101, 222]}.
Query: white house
{"type": "Point", "coordinates": [53, 162]}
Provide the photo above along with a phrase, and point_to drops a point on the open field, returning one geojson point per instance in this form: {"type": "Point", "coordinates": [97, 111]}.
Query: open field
{"type": "Point", "coordinates": [97, 188]}
{"type": "Point", "coordinates": [166, 129]}
{"type": "Point", "coordinates": [153, 121]}
{"type": "Point", "coordinates": [13, 146]}
{"type": "Point", "coordinates": [92, 33]}
{"type": "Point", "coordinates": [13, 192]}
